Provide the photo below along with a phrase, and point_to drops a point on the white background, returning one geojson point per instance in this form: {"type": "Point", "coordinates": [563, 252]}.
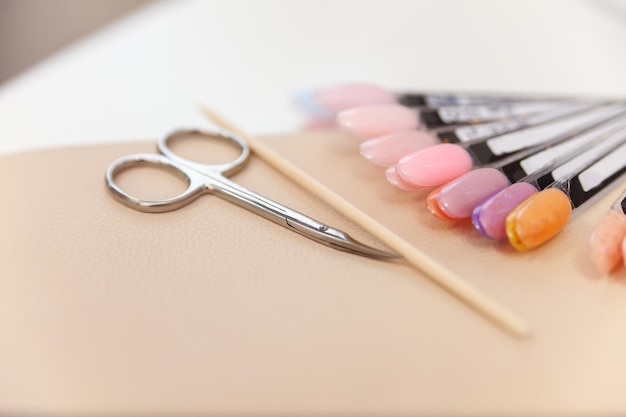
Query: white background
{"type": "Point", "coordinates": [143, 76]}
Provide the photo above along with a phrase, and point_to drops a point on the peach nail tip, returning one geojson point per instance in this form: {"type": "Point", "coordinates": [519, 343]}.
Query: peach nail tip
{"type": "Point", "coordinates": [389, 149]}
{"type": "Point", "coordinates": [489, 217]}
{"type": "Point", "coordinates": [538, 219]}
{"type": "Point", "coordinates": [624, 251]}
{"type": "Point", "coordinates": [435, 165]}
{"type": "Point", "coordinates": [605, 242]}
{"type": "Point", "coordinates": [368, 122]}
{"type": "Point", "coordinates": [338, 97]}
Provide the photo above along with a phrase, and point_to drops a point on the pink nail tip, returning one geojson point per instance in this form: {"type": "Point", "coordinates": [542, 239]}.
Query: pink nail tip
{"type": "Point", "coordinates": [371, 121]}
{"type": "Point", "coordinates": [397, 181]}
{"type": "Point", "coordinates": [435, 165]}
{"type": "Point", "coordinates": [339, 97]}
{"type": "Point", "coordinates": [387, 150]}
{"type": "Point", "coordinates": [606, 241]}
{"type": "Point", "coordinates": [457, 199]}
{"type": "Point", "coordinates": [318, 123]}
{"type": "Point", "coordinates": [489, 217]}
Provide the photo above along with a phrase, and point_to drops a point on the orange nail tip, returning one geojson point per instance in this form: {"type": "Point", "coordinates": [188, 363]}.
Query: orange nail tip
{"type": "Point", "coordinates": [538, 219]}
{"type": "Point", "coordinates": [433, 205]}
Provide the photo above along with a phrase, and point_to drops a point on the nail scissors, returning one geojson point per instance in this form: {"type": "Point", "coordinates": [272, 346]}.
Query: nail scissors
{"type": "Point", "coordinates": [211, 178]}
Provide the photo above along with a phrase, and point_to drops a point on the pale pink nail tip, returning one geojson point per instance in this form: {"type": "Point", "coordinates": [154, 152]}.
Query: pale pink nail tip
{"type": "Point", "coordinates": [389, 149]}
{"type": "Point", "coordinates": [397, 181]}
{"type": "Point", "coordinates": [339, 97]}
{"type": "Point", "coordinates": [435, 165]}
{"type": "Point", "coordinates": [371, 121]}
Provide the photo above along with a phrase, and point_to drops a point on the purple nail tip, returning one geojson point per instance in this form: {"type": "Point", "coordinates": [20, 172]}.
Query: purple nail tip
{"type": "Point", "coordinates": [489, 218]}
{"type": "Point", "coordinates": [478, 225]}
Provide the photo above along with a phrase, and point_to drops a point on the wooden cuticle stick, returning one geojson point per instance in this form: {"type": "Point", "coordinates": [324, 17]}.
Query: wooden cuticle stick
{"type": "Point", "coordinates": [445, 278]}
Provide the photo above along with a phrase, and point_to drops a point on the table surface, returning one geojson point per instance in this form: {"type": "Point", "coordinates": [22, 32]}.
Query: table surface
{"type": "Point", "coordinates": [144, 75]}
{"type": "Point", "coordinates": [108, 311]}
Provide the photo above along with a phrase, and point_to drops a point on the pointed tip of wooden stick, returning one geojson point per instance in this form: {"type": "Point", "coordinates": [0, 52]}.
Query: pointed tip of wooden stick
{"type": "Point", "coordinates": [204, 110]}
{"type": "Point", "coordinates": [214, 117]}
{"type": "Point", "coordinates": [210, 114]}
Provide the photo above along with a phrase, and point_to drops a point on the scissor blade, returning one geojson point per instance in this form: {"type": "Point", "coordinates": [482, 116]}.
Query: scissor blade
{"type": "Point", "coordinates": [337, 239]}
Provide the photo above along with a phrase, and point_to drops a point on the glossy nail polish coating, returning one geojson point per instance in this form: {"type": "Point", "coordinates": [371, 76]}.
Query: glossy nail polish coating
{"type": "Point", "coordinates": [538, 219]}
{"type": "Point", "coordinates": [605, 242]}
{"type": "Point", "coordinates": [372, 121]}
{"type": "Point", "coordinates": [489, 217]}
{"type": "Point", "coordinates": [457, 199]}
{"type": "Point", "coordinates": [389, 149]}
{"type": "Point", "coordinates": [435, 165]}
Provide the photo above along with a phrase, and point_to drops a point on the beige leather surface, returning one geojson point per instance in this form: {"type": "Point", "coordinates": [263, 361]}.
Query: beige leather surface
{"type": "Point", "coordinates": [211, 309]}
